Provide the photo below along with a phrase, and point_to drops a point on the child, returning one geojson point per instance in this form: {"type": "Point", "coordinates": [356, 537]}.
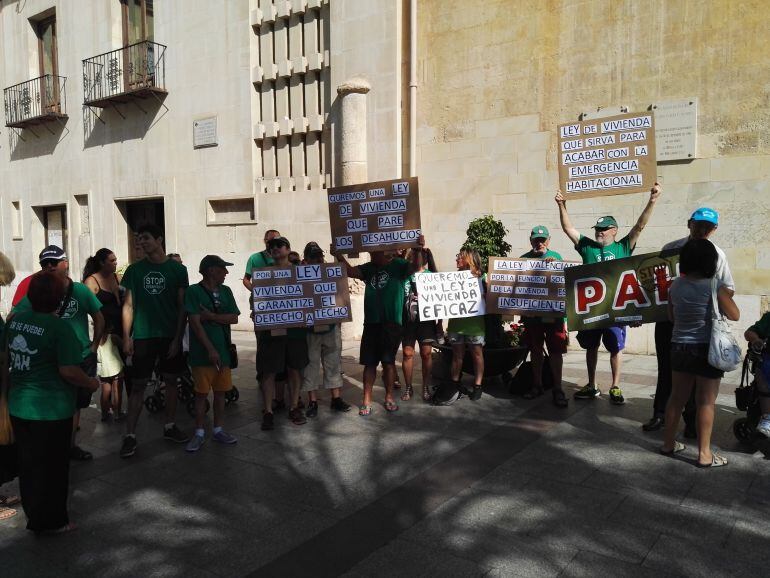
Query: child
{"type": "Point", "coordinates": [468, 331]}
{"type": "Point", "coordinates": [756, 336]}
{"type": "Point", "coordinates": [109, 369]}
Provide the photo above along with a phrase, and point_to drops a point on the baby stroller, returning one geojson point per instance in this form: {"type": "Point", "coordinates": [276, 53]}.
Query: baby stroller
{"type": "Point", "coordinates": [747, 397]}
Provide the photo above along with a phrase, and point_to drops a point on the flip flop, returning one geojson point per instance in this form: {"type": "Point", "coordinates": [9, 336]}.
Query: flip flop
{"type": "Point", "coordinates": [6, 513]}
{"type": "Point", "coordinates": [364, 410]}
{"type": "Point", "coordinates": [391, 406]}
{"type": "Point", "coordinates": [716, 462]}
{"type": "Point", "coordinates": [678, 447]}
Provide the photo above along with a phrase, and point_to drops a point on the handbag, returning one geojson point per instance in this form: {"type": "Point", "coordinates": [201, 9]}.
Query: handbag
{"type": "Point", "coordinates": [724, 351]}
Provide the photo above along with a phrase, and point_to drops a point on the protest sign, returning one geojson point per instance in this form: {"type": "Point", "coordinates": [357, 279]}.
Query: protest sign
{"type": "Point", "coordinates": [300, 296]}
{"type": "Point", "coordinates": [620, 291]}
{"type": "Point", "coordinates": [379, 216]}
{"type": "Point", "coordinates": [526, 287]}
{"type": "Point", "coordinates": [449, 295]}
{"type": "Point", "coordinates": [607, 156]}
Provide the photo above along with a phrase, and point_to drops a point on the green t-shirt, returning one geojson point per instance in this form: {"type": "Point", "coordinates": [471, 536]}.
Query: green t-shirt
{"type": "Point", "coordinates": [593, 252]}
{"type": "Point", "coordinates": [532, 255]}
{"type": "Point", "coordinates": [257, 261]}
{"type": "Point", "coordinates": [154, 288]}
{"type": "Point", "coordinates": [384, 295]}
{"type": "Point", "coordinates": [82, 304]}
{"type": "Point", "coordinates": [38, 343]}
{"type": "Point", "coordinates": [762, 327]}
{"type": "Point", "coordinates": [218, 334]}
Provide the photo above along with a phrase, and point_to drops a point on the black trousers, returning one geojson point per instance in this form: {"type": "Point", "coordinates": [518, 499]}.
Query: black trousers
{"type": "Point", "coordinates": [664, 331]}
{"type": "Point", "coordinates": [44, 468]}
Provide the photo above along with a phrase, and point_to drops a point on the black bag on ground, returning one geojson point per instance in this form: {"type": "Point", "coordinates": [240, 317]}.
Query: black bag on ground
{"type": "Point", "coordinates": [521, 382]}
{"type": "Point", "coordinates": [446, 393]}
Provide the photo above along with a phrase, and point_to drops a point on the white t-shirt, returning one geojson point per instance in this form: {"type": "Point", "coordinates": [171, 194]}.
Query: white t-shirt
{"type": "Point", "coordinates": [723, 268]}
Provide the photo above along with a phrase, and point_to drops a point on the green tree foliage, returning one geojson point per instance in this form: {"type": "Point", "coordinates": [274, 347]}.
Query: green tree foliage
{"type": "Point", "coordinates": [487, 235]}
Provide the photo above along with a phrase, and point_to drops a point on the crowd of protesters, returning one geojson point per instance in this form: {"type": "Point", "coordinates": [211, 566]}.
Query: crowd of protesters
{"type": "Point", "coordinates": [139, 323]}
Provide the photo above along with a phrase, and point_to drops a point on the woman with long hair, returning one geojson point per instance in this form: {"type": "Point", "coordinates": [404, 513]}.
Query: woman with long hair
{"type": "Point", "coordinates": [468, 332]}
{"type": "Point", "coordinates": [690, 308]}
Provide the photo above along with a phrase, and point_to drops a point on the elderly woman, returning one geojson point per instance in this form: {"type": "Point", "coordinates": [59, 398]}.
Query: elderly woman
{"type": "Point", "coordinates": [44, 356]}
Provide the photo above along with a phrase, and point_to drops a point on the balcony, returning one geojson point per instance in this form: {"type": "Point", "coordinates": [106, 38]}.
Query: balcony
{"type": "Point", "coordinates": [35, 101]}
{"type": "Point", "coordinates": [135, 72]}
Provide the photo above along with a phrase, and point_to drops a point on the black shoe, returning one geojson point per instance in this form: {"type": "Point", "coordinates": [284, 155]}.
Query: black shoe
{"type": "Point", "coordinates": [128, 448]}
{"type": "Point", "coordinates": [476, 393]}
{"type": "Point", "coordinates": [80, 455]}
{"type": "Point", "coordinates": [278, 406]}
{"type": "Point", "coordinates": [267, 422]}
{"type": "Point", "coordinates": [312, 409]}
{"type": "Point", "coordinates": [339, 404]}
{"type": "Point", "coordinates": [174, 434]}
{"type": "Point", "coordinates": [297, 416]}
{"type": "Point", "coordinates": [462, 389]}
{"type": "Point", "coordinates": [690, 432]}
{"type": "Point", "coordinates": [654, 424]}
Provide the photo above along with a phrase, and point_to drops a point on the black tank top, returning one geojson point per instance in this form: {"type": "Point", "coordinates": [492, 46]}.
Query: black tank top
{"type": "Point", "coordinates": [112, 309]}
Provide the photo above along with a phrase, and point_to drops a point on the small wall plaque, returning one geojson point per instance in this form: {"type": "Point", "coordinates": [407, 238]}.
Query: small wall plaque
{"type": "Point", "coordinates": [205, 132]}
{"type": "Point", "coordinates": [676, 129]}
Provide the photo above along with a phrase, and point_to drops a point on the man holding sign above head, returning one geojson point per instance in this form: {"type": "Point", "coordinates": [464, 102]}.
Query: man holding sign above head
{"type": "Point", "coordinates": [384, 276]}
{"type": "Point", "coordinates": [604, 247]}
{"type": "Point", "coordinates": [540, 331]}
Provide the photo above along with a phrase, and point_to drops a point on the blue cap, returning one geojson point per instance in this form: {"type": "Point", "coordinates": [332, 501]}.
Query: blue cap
{"type": "Point", "coordinates": [706, 214]}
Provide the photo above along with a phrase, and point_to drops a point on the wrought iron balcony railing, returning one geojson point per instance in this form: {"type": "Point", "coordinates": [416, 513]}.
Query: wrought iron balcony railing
{"type": "Point", "coordinates": [35, 101]}
{"type": "Point", "coordinates": [135, 71]}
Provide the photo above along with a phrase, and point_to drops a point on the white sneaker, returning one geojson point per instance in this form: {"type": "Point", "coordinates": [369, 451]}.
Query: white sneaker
{"type": "Point", "coordinates": [763, 426]}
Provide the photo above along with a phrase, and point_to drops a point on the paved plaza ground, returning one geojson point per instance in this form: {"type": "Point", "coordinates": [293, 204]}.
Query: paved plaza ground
{"type": "Point", "coordinates": [499, 487]}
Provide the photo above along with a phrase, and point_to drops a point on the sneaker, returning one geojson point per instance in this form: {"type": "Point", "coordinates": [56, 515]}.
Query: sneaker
{"type": "Point", "coordinates": [654, 424]}
{"type": "Point", "coordinates": [267, 422]}
{"type": "Point", "coordinates": [312, 409]}
{"type": "Point", "coordinates": [174, 434]}
{"type": "Point", "coordinates": [587, 392]}
{"type": "Point", "coordinates": [763, 426]}
{"type": "Point", "coordinates": [80, 455]}
{"type": "Point", "coordinates": [476, 393]}
{"type": "Point", "coordinates": [297, 417]}
{"type": "Point", "coordinates": [339, 404]}
{"type": "Point", "coordinates": [128, 448]}
{"type": "Point", "coordinates": [224, 438]}
{"type": "Point", "coordinates": [616, 396]}
{"type": "Point", "coordinates": [195, 443]}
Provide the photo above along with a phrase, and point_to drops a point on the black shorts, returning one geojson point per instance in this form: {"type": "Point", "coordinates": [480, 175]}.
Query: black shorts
{"type": "Point", "coordinates": [419, 331]}
{"type": "Point", "coordinates": [693, 358]}
{"type": "Point", "coordinates": [379, 343]}
{"type": "Point", "coordinates": [82, 395]}
{"type": "Point", "coordinates": [151, 354]}
{"type": "Point", "coordinates": [276, 353]}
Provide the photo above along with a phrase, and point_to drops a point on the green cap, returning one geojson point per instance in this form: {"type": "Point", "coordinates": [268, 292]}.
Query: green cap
{"type": "Point", "coordinates": [539, 232]}
{"type": "Point", "coordinates": [605, 223]}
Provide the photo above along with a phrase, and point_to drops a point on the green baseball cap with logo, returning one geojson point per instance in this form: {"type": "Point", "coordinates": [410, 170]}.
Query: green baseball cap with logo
{"type": "Point", "coordinates": [539, 232]}
{"type": "Point", "coordinates": [605, 223]}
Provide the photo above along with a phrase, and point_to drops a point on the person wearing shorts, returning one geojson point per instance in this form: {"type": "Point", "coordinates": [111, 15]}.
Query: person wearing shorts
{"type": "Point", "coordinates": [153, 325]}
{"type": "Point", "coordinates": [604, 247]}
{"type": "Point", "coordinates": [211, 310]}
{"type": "Point", "coordinates": [545, 331]}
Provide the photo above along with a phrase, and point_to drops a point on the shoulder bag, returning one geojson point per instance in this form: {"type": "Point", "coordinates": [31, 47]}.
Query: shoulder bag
{"type": "Point", "coordinates": [724, 351]}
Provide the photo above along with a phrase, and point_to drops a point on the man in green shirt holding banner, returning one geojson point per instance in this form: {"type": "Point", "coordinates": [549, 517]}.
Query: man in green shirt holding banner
{"type": "Point", "coordinates": [604, 247]}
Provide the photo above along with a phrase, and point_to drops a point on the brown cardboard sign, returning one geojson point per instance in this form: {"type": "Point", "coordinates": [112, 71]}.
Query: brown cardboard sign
{"type": "Point", "coordinates": [300, 296]}
{"type": "Point", "coordinates": [614, 155]}
{"type": "Point", "coordinates": [379, 216]}
{"type": "Point", "coordinates": [530, 287]}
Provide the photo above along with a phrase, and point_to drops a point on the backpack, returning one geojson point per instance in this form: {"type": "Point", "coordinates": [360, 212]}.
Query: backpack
{"type": "Point", "coordinates": [521, 382]}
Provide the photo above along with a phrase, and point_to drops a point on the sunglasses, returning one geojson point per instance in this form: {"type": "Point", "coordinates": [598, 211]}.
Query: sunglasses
{"type": "Point", "coordinates": [50, 262]}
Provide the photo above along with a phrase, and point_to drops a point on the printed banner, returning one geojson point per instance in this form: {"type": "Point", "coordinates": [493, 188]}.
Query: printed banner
{"type": "Point", "coordinates": [621, 291]}
{"type": "Point", "coordinates": [614, 155]}
{"type": "Point", "coordinates": [300, 296]}
{"type": "Point", "coordinates": [380, 216]}
{"type": "Point", "coordinates": [449, 295]}
{"type": "Point", "coordinates": [527, 287]}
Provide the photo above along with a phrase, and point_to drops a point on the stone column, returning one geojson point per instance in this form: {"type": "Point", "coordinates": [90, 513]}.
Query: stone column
{"type": "Point", "coordinates": [351, 143]}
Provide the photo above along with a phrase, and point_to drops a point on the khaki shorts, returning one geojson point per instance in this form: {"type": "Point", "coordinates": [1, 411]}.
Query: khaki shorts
{"type": "Point", "coordinates": [324, 351]}
{"type": "Point", "coordinates": [207, 379]}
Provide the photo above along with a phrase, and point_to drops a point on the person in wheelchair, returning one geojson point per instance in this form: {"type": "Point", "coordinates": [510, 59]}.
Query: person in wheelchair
{"type": "Point", "coordinates": [757, 336]}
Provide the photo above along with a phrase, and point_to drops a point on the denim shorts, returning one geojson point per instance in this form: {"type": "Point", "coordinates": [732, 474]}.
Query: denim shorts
{"type": "Point", "coordinates": [460, 338]}
{"type": "Point", "coordinates": [693, 358]}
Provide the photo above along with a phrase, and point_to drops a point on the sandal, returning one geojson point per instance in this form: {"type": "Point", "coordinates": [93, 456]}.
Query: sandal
{"type": "Point", "coordinates": [678, 447]}
{"type": "Point", "coordinates": [716, 462]}
{"type": "Point", "coordinates": [9, 500]}
{"type": "Point", "coordinates": [559, 399]}
{"type": "Point", "coordinates": [6, 513]}
{"type": "Point", "coordinates": [426, 394]}
{"type": "Point", "coordinates": [533, 393]}
{"type": "Point", "coordinates": [408, 393]}
{"type": "Point", "coordinates": [364, 410]}
{"type": "Point", "coordinates": [391, 406]}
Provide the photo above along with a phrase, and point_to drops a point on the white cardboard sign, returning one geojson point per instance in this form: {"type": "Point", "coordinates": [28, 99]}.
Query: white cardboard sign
{"type": "Point", "coordinates": [449, 295]}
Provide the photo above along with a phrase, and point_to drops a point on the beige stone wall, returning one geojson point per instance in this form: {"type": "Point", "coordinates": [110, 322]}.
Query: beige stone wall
{"type": "Point", "coordinates": [497, 77]}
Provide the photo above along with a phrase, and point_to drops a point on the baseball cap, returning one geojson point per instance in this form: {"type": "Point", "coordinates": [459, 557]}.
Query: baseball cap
{"type": "Point", "coordinates": [278, 242]}
{"type": "Point", "coordinates": [539, 232]}
{"type": "Point", "coordinates": [52, 253]}
{"type": "Point", "coordinates": [212, 261]}
{"type": "Point", "coordinates": [705, 214]}
{"type": "Point", "coordinates": [606, 222]}
{"type": "Point", "coordinates": [313, 250]}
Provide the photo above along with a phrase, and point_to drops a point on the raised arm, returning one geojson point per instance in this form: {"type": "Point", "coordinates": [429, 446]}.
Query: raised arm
{"type": "Point", "coordinates": [566, 223]}
{"type": "Point", "coordinates": [644, 218]}
{"type": "Point", "coordinates": [352, 272]}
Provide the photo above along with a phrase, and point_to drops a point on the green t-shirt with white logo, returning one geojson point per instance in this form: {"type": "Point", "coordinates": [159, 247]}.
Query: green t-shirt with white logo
{"type": "Point", "coordinates": [82, 304]}
{"type": "Point", "coordinates": [219, 301]}
{"type": "Point", "coordinates": [154, 288]}
{"type": "Point", "coordinates": [384, 295]}
{"type": "Point", "coordinates": [593, 252]}
{"type": "Point", "coordinates": [38, 344]}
